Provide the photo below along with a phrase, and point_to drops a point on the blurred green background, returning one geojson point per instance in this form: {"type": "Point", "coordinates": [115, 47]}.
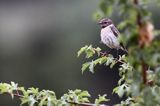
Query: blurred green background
{"type": "Point", "coordinates": [39, 41]}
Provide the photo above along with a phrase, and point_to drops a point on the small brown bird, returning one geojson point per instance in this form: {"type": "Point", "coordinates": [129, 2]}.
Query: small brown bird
{"type": "Point", "coordinates": [109, 34]}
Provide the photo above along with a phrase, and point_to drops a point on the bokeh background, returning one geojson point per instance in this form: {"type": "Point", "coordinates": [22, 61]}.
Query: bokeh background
{"type": "Point", "coordinates": [39, 41]}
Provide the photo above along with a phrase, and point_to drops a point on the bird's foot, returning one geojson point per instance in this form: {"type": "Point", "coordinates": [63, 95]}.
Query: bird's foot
{"type": "Point", "coordinates": [104, 53]}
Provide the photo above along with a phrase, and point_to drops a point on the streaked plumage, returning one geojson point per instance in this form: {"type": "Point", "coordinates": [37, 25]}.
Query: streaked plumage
{"type": "Point", "coordinates": [109, 34]}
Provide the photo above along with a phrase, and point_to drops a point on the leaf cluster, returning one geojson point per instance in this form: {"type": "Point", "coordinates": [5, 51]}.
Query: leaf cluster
{"type": "Point", "coordinates": [34, 97]}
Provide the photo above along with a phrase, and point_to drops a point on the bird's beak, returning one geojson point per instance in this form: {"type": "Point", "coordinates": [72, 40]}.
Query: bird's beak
{"type": "Point", "coordinates": [100, 23]}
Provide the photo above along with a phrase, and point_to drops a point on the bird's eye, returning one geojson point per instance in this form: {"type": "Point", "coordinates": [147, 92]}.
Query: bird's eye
{"type": "Point", "coordinates": [105, 22]}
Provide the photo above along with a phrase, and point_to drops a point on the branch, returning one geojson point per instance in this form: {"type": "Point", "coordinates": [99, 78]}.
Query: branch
{"type": "Point", "coordinates": [144, 69]}
{"type": "Point", "coordinates": [86, 104]}
{"type": "Point", "coordinates": [136, 2]}
{"type": "Point", "coordinates": [144, 73]}
{"type": "Point", "coordinates": [105, 54]}
{"type": "Point", "coordinates": [18, 95]}
{"type": "Point", "coordinates": [15, 94]}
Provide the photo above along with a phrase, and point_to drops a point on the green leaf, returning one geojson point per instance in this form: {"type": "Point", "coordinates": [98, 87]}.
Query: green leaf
{"type": "Point", "coordinates": [101, 99]}
{"type": "Point", "coordinates": [4, 87]}
{"type": "Point", "coordinates": [109, 60]}
{"type": "Point", "coordinates": [85, 94]}
{"type": "Point", "coordinates": [100, 60]}
{"type": "Point", "coordinates": [85, 66]}
{"type": "Point", "coordinates": [91, 67]}
{"type": "Point", "coordinates": [103, 60]}
{"type": "Point", "coordinates": [121, 89]}
{"type": "Point", "coordinates": [90, 51]}
{"type": "Point", "coordinates": [31, 100]}
{"type": "Point", "coordinates": [43, 101]}
{"type": "Point", "coordinates": [126, 66]}
{"type": "Point", "coordinates": [113, 63]}
{"type": "Point", "coordinates": [14, 85]}
{"type": "Point", "coordinates": [24, 101]}
{"type": "Point", "coordinates": [81, 50]}
{"type": "Point", "coordinates": [106, 7]}
{"type": "Point", "coordinates": [24, 92]}
{"type": "Point", "coordinates": [98, 49]}
{"type": "Point", "coordinates": [34, 91]}
{"type": "Point", "coordinates": [49, 102]}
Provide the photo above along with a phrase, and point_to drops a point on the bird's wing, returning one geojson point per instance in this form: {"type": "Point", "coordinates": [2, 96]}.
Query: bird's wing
{"type": "Point", "coordinates": [115, 30]}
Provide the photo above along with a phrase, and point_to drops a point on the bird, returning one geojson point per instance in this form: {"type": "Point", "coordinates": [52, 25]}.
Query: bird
{"type": "Point", "coordinates": [110, 35]}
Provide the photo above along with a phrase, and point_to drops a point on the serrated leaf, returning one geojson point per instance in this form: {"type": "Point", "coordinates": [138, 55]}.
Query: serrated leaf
{"type": "Point", "coordinates": [85, 66]}
{"type": "Point", "coordinates": [109, 60]}
{"type": "Point", "coordinates": [103, 60]}
{"type": "Point", "coordinates": [24, 92]}
{"type": "Point", "coordinates": [115, 89]}
{"type": "Point", "coordinates": [14, 85]}
{"type": "Point", "coordinates": [120, 90]}
{"type": "Point", "coordinates": [32, 100]}
{"type": "Point", "coordinates": [100, 60]}
{"type": "Point", "coordinates": [101, 99]}
{"type": "Point", "coordinates": [89, 53]}
{"type": "Point", "coordinates": [112, 64]}
{"type": "Point", "coordinates": [81, 50]}
{"type": "Point", "coordinates": [4, 87]}
{"type": "Point", "coordinates": [33, 90]}
{"type": "Point", "coordinates": [43, 101]}
{"type": "Point", "coordinates": [85, 94]}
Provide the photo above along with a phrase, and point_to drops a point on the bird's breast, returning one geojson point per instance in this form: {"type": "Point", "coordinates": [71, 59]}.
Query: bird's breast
{"type": "Point", "coordinates": [108, 38]}
{"type": "Point", "coordinates": [106, 31]}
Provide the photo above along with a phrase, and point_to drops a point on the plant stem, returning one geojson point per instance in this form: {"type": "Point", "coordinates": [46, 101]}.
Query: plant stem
{"type": "Point", "coordinates": [16, 95]}
{"type": "Point", "coordinates": [144, 68]}
{"type": "Point", "coordinates": [144, 73]}
{"type": "Point", "coordinates": [136, 2]}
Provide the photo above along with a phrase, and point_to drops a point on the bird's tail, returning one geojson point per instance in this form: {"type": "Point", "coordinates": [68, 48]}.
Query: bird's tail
{"type": "Point", "coordinates": [123, 48]}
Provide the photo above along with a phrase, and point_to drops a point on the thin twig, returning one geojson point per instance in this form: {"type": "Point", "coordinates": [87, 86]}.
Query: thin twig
{"type": "Point", "coordinates": [16, 95]}
{"type": "Point", "coordinates": [86, 104]}
{"type": "Point", "coordinates": [106, 54]}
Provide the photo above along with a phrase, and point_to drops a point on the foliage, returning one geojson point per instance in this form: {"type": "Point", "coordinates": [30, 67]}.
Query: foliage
{"type": "Point", "coordinates": [139, 70]}
{"type": "Point", "coordinates": [140, 81]}
{"type": "Point", "coordinates": [34, 97]}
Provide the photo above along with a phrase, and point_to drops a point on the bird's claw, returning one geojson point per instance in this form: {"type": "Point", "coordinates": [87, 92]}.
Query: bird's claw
{"type": "Point", "coordinates": [104, 53]}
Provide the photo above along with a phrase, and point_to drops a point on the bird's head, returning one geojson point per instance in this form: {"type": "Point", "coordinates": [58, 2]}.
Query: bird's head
{"type": "Point", "coordinates": [105, 22]}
